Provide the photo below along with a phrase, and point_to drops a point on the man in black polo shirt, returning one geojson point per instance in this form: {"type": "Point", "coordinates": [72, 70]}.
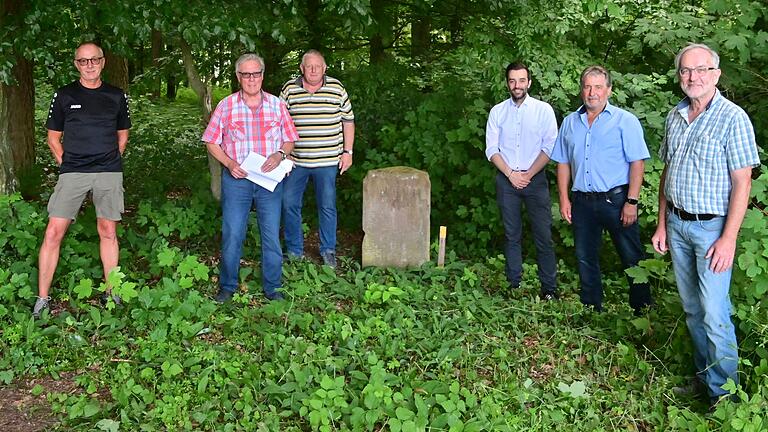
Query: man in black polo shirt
{"type": "Point", "coordinates": [87, 126]}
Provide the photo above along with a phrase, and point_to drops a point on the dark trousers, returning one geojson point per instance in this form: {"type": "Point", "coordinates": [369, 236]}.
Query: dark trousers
{"type": "Point", "coordinates": [539, 207]}
{"type": "Point", "coordinates": [592, 213]}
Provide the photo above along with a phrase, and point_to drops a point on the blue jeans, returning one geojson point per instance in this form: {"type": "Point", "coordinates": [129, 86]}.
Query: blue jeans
{"type": "Point", "coordinates": [538, 204]}
{"type": "Point", "coordinates": [237, 198]}
{"type": "Point", "coordinates": [590, 216]}
{"type": "Point", "coordinates": [704, 295]}
{"type": "Point", "coordinates": [324, 179]}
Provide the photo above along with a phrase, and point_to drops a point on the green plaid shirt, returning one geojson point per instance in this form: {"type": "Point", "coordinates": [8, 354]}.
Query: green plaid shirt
{"type": "Point", "coordinates": [700, 156]}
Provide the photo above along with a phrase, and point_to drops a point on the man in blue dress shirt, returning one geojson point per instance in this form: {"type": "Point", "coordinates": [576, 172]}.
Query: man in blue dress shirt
{"type": "Point", "coordinates": [519, 138]}
{"type": "Point", "coordinates": [601, 150]}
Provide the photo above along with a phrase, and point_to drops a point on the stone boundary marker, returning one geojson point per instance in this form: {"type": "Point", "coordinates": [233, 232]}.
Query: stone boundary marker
{"type": "Point", "coordinates": [396, 209]}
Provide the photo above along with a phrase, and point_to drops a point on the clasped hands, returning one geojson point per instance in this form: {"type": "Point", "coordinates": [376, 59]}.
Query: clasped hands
{"type": "Point", "coordinates": [519, 179]}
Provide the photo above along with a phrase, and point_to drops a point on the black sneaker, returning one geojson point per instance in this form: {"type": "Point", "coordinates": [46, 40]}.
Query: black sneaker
{"type": "Point", "coordinates": [275, 296]}
{"type": "Point", "coordinates": [224, 296]}
{"type": "Point", "coordinates": [695, 387]}
{"type": "Point", "coordinates": [549, 295]}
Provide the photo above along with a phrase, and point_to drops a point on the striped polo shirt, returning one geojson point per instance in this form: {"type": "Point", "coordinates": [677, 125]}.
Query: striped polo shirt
{"type": "Point", "coordinates": [318, 118]}
{"type": "Point", "coordinates": [701, 155]}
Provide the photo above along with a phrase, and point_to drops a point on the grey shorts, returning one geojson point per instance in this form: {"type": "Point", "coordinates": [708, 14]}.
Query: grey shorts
{"type": "Point", "coordinates": [106, 189]}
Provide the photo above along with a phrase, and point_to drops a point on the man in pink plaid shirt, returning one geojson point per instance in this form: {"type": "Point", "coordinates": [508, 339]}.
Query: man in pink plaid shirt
{"type": "Point", "coordinates": [250, 120]}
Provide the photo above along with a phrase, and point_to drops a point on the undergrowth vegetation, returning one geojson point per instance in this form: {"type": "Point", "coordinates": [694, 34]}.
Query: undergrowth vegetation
{"type": "Point", "coordinates": [356, 349]}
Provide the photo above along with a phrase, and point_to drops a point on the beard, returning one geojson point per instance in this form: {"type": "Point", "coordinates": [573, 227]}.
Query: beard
{"type": "Point", "coordinates": [518, 95]}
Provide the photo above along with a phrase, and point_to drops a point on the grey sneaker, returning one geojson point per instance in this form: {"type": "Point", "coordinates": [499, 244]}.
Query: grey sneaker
{"type": "Point", "coordinates": [40, 305]}
{"type": "Point", "coordinates": [329, 259]}
{"type": "Point", "coordinates": [115, 298]}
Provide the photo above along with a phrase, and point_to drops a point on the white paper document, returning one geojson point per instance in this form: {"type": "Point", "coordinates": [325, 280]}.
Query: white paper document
{"type": "Point", "coordinates": [268, 180]}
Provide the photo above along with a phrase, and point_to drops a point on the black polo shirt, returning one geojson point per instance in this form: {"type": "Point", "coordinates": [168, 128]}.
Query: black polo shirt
{"type": "Point", "coordinates": [89, 119]}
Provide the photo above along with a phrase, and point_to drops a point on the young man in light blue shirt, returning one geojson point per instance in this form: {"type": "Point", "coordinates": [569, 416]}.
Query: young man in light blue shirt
{"type": "Point", "coordinates": [519, 137]}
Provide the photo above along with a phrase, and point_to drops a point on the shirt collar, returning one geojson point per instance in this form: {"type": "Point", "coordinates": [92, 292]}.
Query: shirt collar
{"type": "Point", "coordinates": [610, 109]}
{"type": "Point", "coordinates": [683, 105]}
{"type": "Point", "coordinates": [300, 81]}
{"type": "Point", "coordinates": [239, 99]}
{"type": "Point", "coordinates": [526, 102]}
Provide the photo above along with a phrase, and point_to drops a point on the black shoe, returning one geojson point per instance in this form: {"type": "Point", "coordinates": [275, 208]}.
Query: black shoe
{"type": "Point", "coordinates": [718, 400]}
{"type": "Point", "coordinates": [549, 295]}
{"type": "Point", "coordinates": [224, 296]}
{"type": "Point", "coordinates": [694, 387]}
{"type": "Point", "coordinates": [275, 296]}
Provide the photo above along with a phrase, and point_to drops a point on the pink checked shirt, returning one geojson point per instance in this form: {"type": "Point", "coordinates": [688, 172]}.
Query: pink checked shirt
{"type": "Point", "coordinates": [240, 130]}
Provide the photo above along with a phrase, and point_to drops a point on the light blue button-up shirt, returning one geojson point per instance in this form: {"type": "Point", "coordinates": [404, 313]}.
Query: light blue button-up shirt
{"type": "Point", "coordinates": [599, 155]}
{"type": "Point", "coordinates": [520, 133]}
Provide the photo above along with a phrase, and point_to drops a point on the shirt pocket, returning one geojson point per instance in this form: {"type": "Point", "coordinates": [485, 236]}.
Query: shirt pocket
{"type": "Point", "coordinates": [273, 131]}
{"type": "Point", "coordinates": [708, 149]}
{"type": "Point", "coordinates": [236, 131]}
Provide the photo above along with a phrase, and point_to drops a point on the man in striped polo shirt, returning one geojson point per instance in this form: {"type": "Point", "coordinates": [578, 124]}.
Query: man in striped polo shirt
{"type": "Point", "coordinates": [709, 150]}
{"type": "Point", "coordinates": [323, 116]}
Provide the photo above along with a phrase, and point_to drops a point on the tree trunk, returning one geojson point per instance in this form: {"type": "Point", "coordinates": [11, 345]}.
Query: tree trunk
{"type": "Point", "coordinates": [8, 183]}
{"type": "Point", "coordinates": [382, 31]}
{"type": "Point", "coordinates": [203, 92]}
{"type": "Point", "coordinates": [420, 35]}
{"type": "Point", "coordinates": [116, 70]}
{"type": "Point", "coordinates": [274, 76]}
{"type": "Point", "coordinates": [157, 52]}
{"type": "Point", "coordinates": [21, 118]}
{"type": "Point", "coordinates": [170, 86]}
{"type": "Point", "coordinates": [313, 17]}
{"type": "Point", "coordinates": [17, 116]}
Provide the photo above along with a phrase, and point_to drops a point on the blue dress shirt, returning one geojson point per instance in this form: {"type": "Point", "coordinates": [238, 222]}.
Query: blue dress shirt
{"type": "Point", "coordinates": [599, 155]}
{"type": "Point", "coordinates": [521, 133]}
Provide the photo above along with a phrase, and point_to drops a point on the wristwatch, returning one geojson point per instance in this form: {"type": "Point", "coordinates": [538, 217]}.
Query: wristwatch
{"type": "Point", "coordinates": [349, 152]}
{"type": "Point", "coordinates": [282, 153]}
{"type": "Point", "coordinates": [631, 201]}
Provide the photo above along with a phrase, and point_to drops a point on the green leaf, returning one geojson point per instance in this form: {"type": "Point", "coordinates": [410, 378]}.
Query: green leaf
{"type": "Point", "coordinates": [84, 289]}
{"type": "Point", "coordinates": [91, 409]}
{"type": "Point", "coordinates": [404, 413]}
{"type": "Point", "coordinates": [166, 257]}
{"type": "Point", "coordinates": [37, 390]}
{"type": "Point", "coordinates": [108, 425]}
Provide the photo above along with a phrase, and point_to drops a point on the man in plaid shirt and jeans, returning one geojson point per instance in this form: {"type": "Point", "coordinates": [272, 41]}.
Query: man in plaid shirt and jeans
{"type": "Point", "coordinates": [250, 120]}
{"type": "Point", "coordinates": [709, 151]}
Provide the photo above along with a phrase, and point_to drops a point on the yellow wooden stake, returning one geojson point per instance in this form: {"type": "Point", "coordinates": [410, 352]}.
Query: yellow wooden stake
{"type": "Point", "coordinates": [441, 250]}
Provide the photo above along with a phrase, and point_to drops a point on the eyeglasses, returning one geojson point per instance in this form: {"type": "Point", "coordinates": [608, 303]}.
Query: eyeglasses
{"type": "Point", "coordinates": [250, 75]}
{"type": "Point", "coordinates": [701, 70]}
{"type": "Point", "coordinates": [85, 61]}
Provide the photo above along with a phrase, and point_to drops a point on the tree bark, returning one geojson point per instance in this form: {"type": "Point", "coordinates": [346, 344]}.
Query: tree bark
{"type": "Point", "coordinates": [116, 70]}
{"type": "Point", "coordinates": [170, 86]}
{"type": "Point", "coordinates": [21, 117]}
{"type": "Point", "coordinates": [157, 52]}
{"type": "Point", "coordinates": [382, 31]}
{"type": "Point", "coordinates": [203, 92]}
{"type": "Point", "coordinates": [17, 116]}
{"type": "Point", "coordinates": [421, 27]}
{"type": "Point", "coordinates": [8, 183]}
{"type": "Point", "coordinates": [316, 25]}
